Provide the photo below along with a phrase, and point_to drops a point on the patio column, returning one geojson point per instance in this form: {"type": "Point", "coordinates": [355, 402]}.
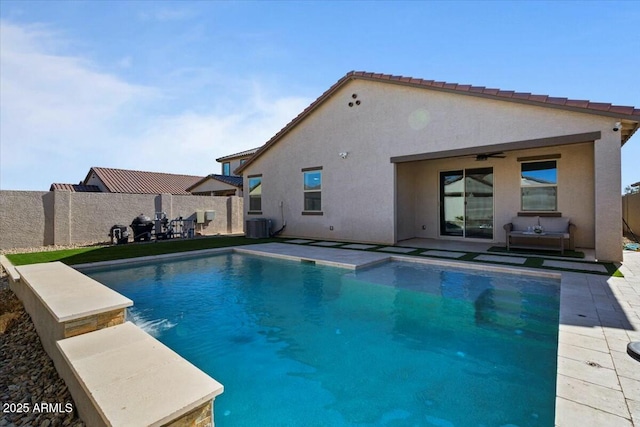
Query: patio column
{"type": "Point", "coordinates": [608, 198]}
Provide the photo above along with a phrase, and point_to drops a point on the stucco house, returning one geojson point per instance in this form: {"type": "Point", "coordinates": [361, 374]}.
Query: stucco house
{"type": "Point", "coordinates": [374, 157]}
{"type": "Point", "coordinates": [225, 183]}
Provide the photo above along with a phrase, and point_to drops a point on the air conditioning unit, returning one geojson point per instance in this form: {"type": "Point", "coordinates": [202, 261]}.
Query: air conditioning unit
{"type": "Point", "coordinates": [257, 228]}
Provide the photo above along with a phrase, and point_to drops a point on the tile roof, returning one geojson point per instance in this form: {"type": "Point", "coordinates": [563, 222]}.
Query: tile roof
{"type": "Point", "coordinates": [590, 107]}
{"type": "Point", "coordinates": [140, 182]}
{"type": "Point", "coordinates": [240, 154]}
{"type": "Point", "coordinates": [236, 181]}
{"type": "Point", "coordinates": [599, 108]}
{"type": "Point", "coordinates": [75, 188]}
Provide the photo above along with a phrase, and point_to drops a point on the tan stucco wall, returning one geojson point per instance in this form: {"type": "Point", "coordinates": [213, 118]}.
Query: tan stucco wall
{"type": "Point", "coordinates": [359, 195]}
{"type": "Point", "coordinates": [29, 219]}
{"type": "Point", "coordinates": [94, 180]}
{"type": "Point", "coordinates": [608, 235]}
{"type": "Point", "coordinates": [235, 163]}
{"type": "Point", "coordinates": [228, 212]}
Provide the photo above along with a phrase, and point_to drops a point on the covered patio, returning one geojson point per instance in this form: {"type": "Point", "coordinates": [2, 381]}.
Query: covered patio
{"type": "Point", "coordinates": [462, 198]}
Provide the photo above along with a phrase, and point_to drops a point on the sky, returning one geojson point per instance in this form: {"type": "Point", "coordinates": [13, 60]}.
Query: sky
{"type": "Point", "coordinates": [171, 86]}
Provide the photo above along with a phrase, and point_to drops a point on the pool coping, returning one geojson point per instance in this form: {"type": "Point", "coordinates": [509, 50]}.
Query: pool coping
{"type": "Point", "coordinates": [596, 382]}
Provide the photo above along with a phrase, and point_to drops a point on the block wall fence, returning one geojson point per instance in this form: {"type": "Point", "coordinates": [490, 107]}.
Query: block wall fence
{"type": "Point", "coordinates": [39, 218]}
{"type": "Point", "coordinates": [631, 212]}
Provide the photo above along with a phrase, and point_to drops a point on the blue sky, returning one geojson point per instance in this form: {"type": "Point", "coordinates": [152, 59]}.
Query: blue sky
{"type": "Point", "coordinates": [96, 83]}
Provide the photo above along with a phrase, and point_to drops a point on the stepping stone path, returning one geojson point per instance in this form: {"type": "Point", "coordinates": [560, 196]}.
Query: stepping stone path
{"type": "Point", "coordinates": [503, 259]}
{"type": "Point", "coordinates": [444, 254]}
{"type": "Point", "coordinates": [397, 250]}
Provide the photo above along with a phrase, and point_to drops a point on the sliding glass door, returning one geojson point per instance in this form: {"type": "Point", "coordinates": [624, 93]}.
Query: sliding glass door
{"type": "Point", "coordinates": [466, 203]}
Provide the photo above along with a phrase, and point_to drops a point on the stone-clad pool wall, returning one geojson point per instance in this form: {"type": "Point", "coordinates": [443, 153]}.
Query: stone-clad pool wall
{"type": "Point", "coordinates": [117, 374]}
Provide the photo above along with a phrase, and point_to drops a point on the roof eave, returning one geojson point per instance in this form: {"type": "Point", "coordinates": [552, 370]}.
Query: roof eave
{"type": "Point", "coordinates": [188, 189]}
{"type": "Point", "coordinates": [418, 83]}
{"type": "Point", "coordinates": [239, 155]}
{"type": "Point", "coordinates": [521, 98]}
{"type": "Point", "coordinates": [299, 118]}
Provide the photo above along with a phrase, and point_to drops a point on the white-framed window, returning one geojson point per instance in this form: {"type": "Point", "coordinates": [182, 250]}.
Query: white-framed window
{"type": "Point", "coordinates": [226, 168]}
{"type": "Point", "coordinates": [255, 193]}
{"type": "Point", "coordinates": [539, 186]}
{"type": "Point", "coordinates": [312, 189]}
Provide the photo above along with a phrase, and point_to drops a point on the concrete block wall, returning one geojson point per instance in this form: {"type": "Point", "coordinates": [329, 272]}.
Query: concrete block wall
{"type": "Point", "coordinates": [23, 219]}
{"type": "Point", "coordinates": [228, 212]}
{"type": "Point", "coordinates": [631, 212]}
{"type": "Point", "coordinates": [34, 218]}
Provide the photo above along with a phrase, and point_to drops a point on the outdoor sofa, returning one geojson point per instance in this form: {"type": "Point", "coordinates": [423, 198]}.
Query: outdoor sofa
{"type": "Point", "coordinates": [540, 232]}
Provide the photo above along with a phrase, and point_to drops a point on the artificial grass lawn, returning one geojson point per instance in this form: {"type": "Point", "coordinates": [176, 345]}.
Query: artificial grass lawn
{"type": "Point", "coordinates": [132, 250]}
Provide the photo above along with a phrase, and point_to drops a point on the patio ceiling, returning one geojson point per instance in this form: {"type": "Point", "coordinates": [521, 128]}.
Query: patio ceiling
{"type": "Point", "coordinates": [507, 146]}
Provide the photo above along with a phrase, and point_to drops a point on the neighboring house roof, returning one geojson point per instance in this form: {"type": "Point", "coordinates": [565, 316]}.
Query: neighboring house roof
{"type": "Point", "coordinates": [75, 188]}
{"type": "Point", "coordinates": [140, 182]}
{"type": "Point", "coordinates": [236, 181]}
{"type": "Point", "coordinates": [631, 114]}
{"type": "Point", "coordinates": [240, 154]}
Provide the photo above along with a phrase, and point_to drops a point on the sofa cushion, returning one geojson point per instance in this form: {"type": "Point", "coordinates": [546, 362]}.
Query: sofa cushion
{"type": "Point", "coordinates": [522, 223]}
{"type": "Point", "coordinates": [555, 225]}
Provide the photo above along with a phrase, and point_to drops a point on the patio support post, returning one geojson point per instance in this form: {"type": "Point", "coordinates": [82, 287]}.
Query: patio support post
{"type": "Point", "coordinates": [608, 204]}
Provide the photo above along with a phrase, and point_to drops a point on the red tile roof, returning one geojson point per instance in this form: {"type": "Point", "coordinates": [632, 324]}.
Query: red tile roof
{"type": "Point", "coordinates": [604, 109]}
{"type": "Point", "coordinates": [139, 182]}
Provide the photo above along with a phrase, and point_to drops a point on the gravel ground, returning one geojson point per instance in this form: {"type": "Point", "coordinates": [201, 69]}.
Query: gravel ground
{"type": "Point", "coordinates": [50, 248]}
{"type": "Point", "coordinates": [31, 392]}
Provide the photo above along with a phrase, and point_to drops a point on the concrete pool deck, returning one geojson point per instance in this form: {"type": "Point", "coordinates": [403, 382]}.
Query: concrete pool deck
{"type": "Point", "coordinates": [598, 384]}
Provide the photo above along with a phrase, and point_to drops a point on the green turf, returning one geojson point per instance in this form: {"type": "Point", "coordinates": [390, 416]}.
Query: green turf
{"type": "Point", "coordinates": [132, 250]}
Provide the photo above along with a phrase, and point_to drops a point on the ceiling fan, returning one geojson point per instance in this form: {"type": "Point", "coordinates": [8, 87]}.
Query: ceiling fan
{"type": "Point", "coordinates": [484, 156]}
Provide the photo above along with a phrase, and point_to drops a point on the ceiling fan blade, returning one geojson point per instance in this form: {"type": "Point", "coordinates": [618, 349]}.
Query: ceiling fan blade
{"type": "Point", "coordinates": [485, 156]}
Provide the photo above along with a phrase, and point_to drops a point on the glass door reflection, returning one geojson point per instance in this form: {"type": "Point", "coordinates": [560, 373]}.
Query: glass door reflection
{"type": "Point", "coordinates": [466, 203]}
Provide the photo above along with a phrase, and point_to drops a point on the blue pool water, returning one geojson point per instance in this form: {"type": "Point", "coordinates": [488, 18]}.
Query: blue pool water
{"type": "Point", "coordinates": [399, 344]}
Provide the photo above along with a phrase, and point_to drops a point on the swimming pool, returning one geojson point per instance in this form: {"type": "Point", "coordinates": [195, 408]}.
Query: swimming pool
{"type": "Point", "coordinates": [395, 344]}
